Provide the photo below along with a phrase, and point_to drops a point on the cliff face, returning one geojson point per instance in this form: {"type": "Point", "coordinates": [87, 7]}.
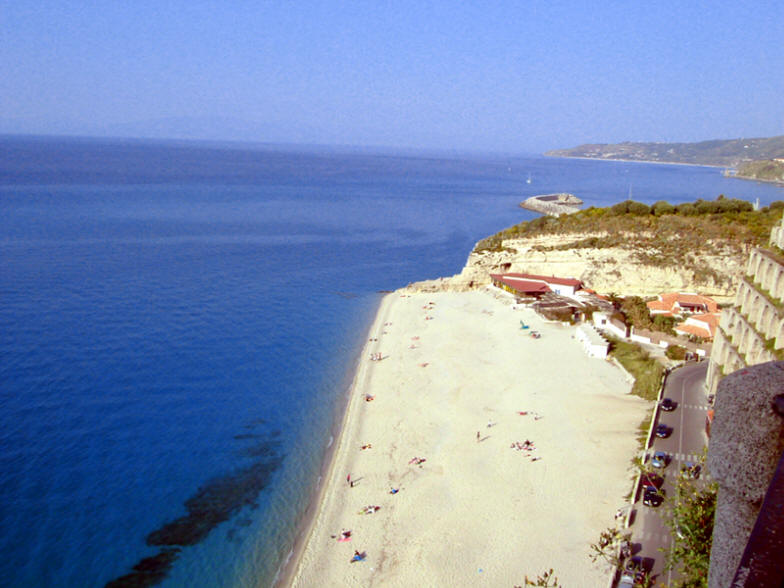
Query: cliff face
{"type": "Point", "coordinates": [618, 270]}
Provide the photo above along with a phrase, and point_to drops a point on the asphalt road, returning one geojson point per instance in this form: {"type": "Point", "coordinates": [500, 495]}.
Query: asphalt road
{"type": "Point", "coordinates": [685, 386]}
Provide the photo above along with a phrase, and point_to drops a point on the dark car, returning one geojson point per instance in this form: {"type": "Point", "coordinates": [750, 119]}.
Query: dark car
{"type": "Point", "coordinates": [653, 497]}
{"type": "Point", "coordinates": [663, 431]}
{"type": "Point", "coordinates": [651, 480]}
{"type": "Point", "coordinates": [667, 405]}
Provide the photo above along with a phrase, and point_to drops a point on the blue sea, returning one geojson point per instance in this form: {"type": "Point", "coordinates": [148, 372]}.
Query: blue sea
{"type": "Point", "coordinates": [180, 323]}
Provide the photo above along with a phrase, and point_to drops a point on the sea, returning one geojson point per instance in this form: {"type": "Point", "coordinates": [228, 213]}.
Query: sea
{"type": "Point", "coordinates": [180, 324]}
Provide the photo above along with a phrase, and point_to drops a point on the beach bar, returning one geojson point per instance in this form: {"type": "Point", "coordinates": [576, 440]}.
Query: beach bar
{"type": "Point", "coordinates": [533, 285]}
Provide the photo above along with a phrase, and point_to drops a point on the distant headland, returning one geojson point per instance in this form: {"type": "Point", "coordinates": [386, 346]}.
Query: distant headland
{"type": "Point", "coordinates": [759, 159]}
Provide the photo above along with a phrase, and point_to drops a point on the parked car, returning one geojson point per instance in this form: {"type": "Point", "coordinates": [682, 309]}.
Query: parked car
{"type": "Point", "coordinates": [653, 497]}
{"type": "Point", "coordinates": [660, 459]}
{"type": "Point", "coordinates": [668, 405]}
{"type": "Point", "coordinates": [690, 470]}
{"type": "Point", "coordinates": [663, 431]}
{"type": "Point", "coordinates": [651, 480]}
{"type": "Point", "coordinates": [627, 580]}
{"type": "Point", "coordinates": [633, 573]}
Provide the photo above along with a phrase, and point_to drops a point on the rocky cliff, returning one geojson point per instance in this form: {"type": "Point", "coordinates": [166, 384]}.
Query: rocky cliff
{"type": "Point", "coordinates": [624, 270]}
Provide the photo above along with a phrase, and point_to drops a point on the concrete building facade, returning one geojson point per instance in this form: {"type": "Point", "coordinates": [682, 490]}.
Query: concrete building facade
{"type": "Point", "coordinates": [752, 330]}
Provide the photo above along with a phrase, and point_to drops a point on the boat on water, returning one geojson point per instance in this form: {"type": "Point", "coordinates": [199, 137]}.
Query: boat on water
{"type": "Point", "coordinates": [528, 181]}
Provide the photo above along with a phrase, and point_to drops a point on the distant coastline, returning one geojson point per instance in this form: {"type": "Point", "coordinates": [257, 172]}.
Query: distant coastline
{"type": "Point", "coordinates": [714, 166]}
{"type": "Point", "coordinates": [618, 159]}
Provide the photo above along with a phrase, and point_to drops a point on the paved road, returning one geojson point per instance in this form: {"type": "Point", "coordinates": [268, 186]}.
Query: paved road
{"type": "Point", "coordinates": [685, 386]}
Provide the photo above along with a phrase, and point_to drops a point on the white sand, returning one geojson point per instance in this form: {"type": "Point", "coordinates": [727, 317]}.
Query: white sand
{"type": "Point", "coordinates": [474, 513]}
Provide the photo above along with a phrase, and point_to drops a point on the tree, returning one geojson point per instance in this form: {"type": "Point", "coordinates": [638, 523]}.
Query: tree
{"type": "Point", "coordinates": [666, 324]}
{"type": "Point", "coordinates": [691, 526]}
{"type": "Point", "coordinates": [609, 545]}
{"type": "Point", "coordinates": [636, 312]}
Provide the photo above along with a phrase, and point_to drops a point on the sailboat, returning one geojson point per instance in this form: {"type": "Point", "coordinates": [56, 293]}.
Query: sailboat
{"type": "Point", "coordinates": [528, 181]}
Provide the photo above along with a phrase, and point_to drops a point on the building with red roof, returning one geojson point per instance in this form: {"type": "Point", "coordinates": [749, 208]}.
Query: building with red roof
{"type": "Point", "coordinates": [700, 325]}
{"type": "Point", "coordinates": [682, 303]}
{"type": "Point", "coordinates": [535, 285]}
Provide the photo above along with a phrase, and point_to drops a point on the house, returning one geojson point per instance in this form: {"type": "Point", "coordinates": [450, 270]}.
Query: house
{"type": "Point", "coordinates": [682, 303]}
{"type": "Point", "coordinates": [606, 322]}
{"type": "Point", "coordinates": [700, 325]}
{"type": "Point", "coordinates": [536, 285]}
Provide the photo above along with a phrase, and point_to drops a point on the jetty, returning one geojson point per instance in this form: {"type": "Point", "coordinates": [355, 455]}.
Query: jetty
{"type": "Point", "coordinates": [553, 204]}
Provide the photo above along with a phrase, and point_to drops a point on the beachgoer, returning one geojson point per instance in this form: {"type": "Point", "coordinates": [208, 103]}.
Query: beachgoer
{"type": "Point", "coordinates": [477, 436]}
{"type": "Point", "coordinates": [394, 490]}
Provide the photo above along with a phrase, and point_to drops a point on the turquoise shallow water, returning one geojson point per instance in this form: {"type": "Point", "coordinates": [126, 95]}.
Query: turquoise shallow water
{"type": "Point", "coordinates": [180, 325]}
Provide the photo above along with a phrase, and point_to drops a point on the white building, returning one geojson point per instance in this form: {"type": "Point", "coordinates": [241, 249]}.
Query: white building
{"type": "Point", "coordinates": [594, 344]}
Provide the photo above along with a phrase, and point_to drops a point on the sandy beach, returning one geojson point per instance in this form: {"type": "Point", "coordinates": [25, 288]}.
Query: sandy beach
{"type": "Point", "coordinates": [483, 494]}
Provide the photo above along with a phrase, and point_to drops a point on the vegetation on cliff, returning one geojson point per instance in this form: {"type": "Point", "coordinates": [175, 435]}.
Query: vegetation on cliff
{"type": "Point", "coordinates": [661, 235]}
{"type": "Point", "coordinates": [768, 170]}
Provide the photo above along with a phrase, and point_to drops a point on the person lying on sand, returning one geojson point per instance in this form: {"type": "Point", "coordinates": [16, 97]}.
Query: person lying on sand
{"type": "Point", "coordinates": [417, 460]}
{"type": "Point", "coordinates": [343, 537]}
{"type": "Point", "coordinates": [358, 556]}
{"type": "Point", "coordinates": [366, 446]}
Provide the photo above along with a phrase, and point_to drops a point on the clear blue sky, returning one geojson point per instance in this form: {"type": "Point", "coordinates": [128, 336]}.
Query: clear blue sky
{"type": "Point", "coordinates": [520, 76]}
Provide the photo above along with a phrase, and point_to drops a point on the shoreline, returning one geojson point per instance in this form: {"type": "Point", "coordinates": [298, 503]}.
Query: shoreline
{"type": "Point", "coordinates": [466, 487]}
{"type": "Point", "coordinates": [290, 567]}
{"type": "Point", "coordinates": [713, 165]}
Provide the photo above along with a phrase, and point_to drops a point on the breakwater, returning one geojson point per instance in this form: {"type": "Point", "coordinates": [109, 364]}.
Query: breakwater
{"type": "Point", "coordinates": [553, 204]}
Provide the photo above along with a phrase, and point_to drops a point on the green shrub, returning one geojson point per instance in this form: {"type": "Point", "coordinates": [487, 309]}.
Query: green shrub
{"type": "Point", "coordinates": [662, 207]}
{"type": "Point", "coordinates": [676, 352]}
{"type": "Point", "coordinates": [687, 209]}
{"type": "Point", "coordinates": [647, 372]}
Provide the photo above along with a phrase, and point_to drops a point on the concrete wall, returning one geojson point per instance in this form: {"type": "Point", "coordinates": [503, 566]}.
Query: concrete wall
{"type": "Point", "coordinates": [747, 441]}
{"type": "Point", "coordinates": [777, 235]}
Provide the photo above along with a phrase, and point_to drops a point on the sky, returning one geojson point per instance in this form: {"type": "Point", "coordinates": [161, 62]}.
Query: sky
{"type": "Point", "coordinates": [514, 77]}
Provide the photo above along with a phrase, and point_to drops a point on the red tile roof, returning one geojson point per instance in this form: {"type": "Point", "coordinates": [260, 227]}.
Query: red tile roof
{"type": "Point", "coordinates": [695, 330]}
{"type": "Point", "coordinates": [669, 302]}
{"type": "Point", "coordinates": [548, 279]}
{"type": "Point", "coordinates": [521, 285]}
{"type": "Point", "coordinates": [701, 325]}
